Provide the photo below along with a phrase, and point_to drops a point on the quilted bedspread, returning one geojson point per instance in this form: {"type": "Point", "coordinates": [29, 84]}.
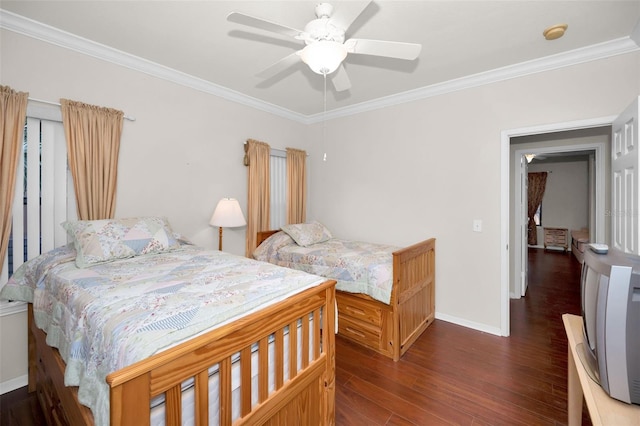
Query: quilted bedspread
{"type": "Point", "coordinates": [358, 267]}
{"type": "Point", "coordinates": [108, 316]}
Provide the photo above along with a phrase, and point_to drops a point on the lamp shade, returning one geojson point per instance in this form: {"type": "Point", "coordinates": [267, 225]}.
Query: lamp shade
{"type": "Point", "coordinates": [227, 214]}
{"type": "Point", "coordinates": [323, 56]}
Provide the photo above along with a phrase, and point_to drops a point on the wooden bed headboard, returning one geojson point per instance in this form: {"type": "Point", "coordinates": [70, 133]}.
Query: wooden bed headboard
{"type": "Point", "coordinates": [263, 235]}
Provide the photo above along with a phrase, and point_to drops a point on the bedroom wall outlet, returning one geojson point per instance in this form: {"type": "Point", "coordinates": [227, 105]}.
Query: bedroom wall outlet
{"type": "Point", "coordinates": [477, 225]}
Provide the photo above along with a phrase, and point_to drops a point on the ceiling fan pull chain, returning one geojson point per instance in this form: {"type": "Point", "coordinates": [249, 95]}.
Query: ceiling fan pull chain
{"type": "Point", "coordinates": [324, 118]}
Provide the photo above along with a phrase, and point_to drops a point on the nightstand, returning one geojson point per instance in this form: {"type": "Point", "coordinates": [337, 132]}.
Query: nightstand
{"type": "Point", "coordinates": [556, 237]}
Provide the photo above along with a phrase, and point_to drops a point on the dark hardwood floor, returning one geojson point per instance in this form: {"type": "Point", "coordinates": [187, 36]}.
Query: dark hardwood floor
{"type": "Point", "coordinates": [455, 375]}
{"type": "Point", "coordinates": [452, 374]}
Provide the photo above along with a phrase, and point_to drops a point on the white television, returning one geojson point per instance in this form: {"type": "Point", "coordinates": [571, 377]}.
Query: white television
{"type": "Point", "coordinates": [610, 289]}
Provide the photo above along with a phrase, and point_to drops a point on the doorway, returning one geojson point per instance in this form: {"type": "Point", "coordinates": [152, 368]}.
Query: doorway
{"type": "Point", "coordinates": [510, 237]}
{"type": "Point", "coordinates": [590, 147]}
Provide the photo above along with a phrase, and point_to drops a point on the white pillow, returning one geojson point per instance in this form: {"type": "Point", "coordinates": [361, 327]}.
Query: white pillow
{"type": "Point", "coordinates": [100, 241]}
{"type": "Point", "coordinates": [306, 234]}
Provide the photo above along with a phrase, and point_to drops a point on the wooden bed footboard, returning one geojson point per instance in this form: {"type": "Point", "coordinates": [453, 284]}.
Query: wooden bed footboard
{"type": "Point", "coordinates": [414, 275]}
{"type": "Point", "coordinates": [391, 329]}
{"type": "Point", "coordinates": [299, 393]}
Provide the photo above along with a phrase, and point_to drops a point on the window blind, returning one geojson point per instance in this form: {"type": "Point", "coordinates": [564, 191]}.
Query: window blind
{"type": "Point", "coordinates": [278, 188]}
{"type": "Point", "coordinates": [44, 195]}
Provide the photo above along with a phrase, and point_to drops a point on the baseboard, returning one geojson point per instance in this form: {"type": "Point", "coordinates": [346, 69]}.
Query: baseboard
{"type": "Point", "coordinates": [11, 308]}
{"type": "Point", "coordinates": [469, 324]}
{"type": "Point", "coordinates": [13, 384]}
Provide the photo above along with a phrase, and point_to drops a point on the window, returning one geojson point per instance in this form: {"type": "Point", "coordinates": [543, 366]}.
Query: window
{"type": "Point", "coordinates": [278, 188]}
{"type": "Point", "coordinates": [44, 195]}
{"type": "Point", "coordinates": [537, 217]}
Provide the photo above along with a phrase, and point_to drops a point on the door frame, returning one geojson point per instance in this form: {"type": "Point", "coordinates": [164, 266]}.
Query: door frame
{"type": "Point", "coordinates": [521, 199]}
{"type": "Point", "coordinates": [505, 139]}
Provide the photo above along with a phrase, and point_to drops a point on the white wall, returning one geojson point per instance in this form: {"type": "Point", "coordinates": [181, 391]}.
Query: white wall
{"type": "Point", "coordinates": [396, 175]}
{"type": "Point", "coordinates": [13, 351]}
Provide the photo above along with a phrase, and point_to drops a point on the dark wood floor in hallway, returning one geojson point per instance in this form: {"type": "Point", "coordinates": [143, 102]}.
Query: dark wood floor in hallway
{"type": "Point", "coordinates": [455, 375]}
{"type": "Point", "coordinates": [452, 374]}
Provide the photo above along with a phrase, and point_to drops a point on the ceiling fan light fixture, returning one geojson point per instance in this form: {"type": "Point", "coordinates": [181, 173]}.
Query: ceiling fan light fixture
{"type": "Point", "coordinates": [324, 56]}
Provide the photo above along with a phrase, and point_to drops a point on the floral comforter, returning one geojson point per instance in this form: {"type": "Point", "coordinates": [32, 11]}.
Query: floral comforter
{"type": "Point", "coordinates": [358, 267]}
{"type": "Point", "coordinates": [111, 315]}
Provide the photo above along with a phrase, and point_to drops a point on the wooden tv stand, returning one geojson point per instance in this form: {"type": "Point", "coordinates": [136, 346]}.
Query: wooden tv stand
{"type": "Point", "coordinates": [603, 409]}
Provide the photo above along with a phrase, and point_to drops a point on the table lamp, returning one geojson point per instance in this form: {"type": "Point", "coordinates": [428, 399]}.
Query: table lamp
{"type": "Point", "coordinates": [227, 215]}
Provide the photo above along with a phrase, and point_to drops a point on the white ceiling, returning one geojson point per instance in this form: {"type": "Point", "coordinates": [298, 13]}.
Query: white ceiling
{"type": "Point", "coordinates": [459, 39]}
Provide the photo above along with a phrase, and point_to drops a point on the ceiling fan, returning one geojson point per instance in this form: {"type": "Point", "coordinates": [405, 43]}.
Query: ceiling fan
{"type": "Point", "coordinates": [326, 47]}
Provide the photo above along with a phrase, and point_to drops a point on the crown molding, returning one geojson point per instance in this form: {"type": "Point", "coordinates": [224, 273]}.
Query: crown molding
{"type": "Point", "coordinates": [34, 29]}
{"type": "Point", "coordinates": [590, 53]}
{"type": "Point", "coordinates": [19, 24]}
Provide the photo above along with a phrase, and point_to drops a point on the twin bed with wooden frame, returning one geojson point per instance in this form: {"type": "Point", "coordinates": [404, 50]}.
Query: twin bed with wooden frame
{"type": "Point", "coordinates": [390, 329]}
{"type": "Point", "coordinates": [274, 364]}
{"type": "Point", "coordinates": [308, 397]}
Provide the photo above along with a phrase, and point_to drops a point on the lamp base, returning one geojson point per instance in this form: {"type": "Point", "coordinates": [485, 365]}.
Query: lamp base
{"type": "Point", "coordinates": [220, 238]}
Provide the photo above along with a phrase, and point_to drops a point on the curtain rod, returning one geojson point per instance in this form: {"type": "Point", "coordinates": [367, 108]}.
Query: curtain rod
{"type": "Point", "coordinates": [126, 117]}
{"type": "Point", "coordinates": [276, 149]}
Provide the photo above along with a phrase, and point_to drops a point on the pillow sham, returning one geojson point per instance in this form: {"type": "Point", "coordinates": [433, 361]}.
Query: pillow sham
{"type": "Point", "coordinates": [306, 234]}
{"type": "Point", "coordinates": [106, 240]}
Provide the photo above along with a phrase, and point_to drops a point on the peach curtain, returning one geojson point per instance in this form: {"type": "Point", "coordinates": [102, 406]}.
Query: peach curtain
{"type": "Point", "coordinates": [13, 107]}
{"type": "Point", "coordinates": [535, 191]}
{"type": "Point", "coordinates": [296, 185]}
{"type": "Point", "coordinates": [257, 159]}
{"type": "Point", "coordinates": [93, 143]}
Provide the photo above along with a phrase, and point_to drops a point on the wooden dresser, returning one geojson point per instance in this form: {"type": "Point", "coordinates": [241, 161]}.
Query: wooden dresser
{"type": "Point", "coordinates": [556, 237]}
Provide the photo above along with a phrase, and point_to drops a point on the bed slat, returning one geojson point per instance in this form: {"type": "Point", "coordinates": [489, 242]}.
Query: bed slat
{"type": "Point", "coordinates": [263, 363]}
{"type": "Point", "coordinates": [245, 380]}
{"type": "Point", "coordinates": [305, 341]}
{"type": "Point", "coordinates": [201, 414]}
{"type": "Point", "coordinates": [279, 361]}
{"type": "Point", "coordinates": [225, 391]}
{"type": "Point", "coordinates": [293, 348]}
{"type": "Point", "coordinates": [173, 406]}
{"type": "Point", "coordinates": [316, 336]}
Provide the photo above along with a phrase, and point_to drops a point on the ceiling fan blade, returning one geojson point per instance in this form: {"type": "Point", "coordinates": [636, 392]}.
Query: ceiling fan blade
{"type": "Point", "coordinates": [279, 66]}
{"type": "Point", "coordinates": [343, 16]}
{"type": "Point", "coordinates": [241, 18]}
{"type": "Point", "coordinates": [391, 49]}
{"type": "Point", "coordinates": [340, 79]}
